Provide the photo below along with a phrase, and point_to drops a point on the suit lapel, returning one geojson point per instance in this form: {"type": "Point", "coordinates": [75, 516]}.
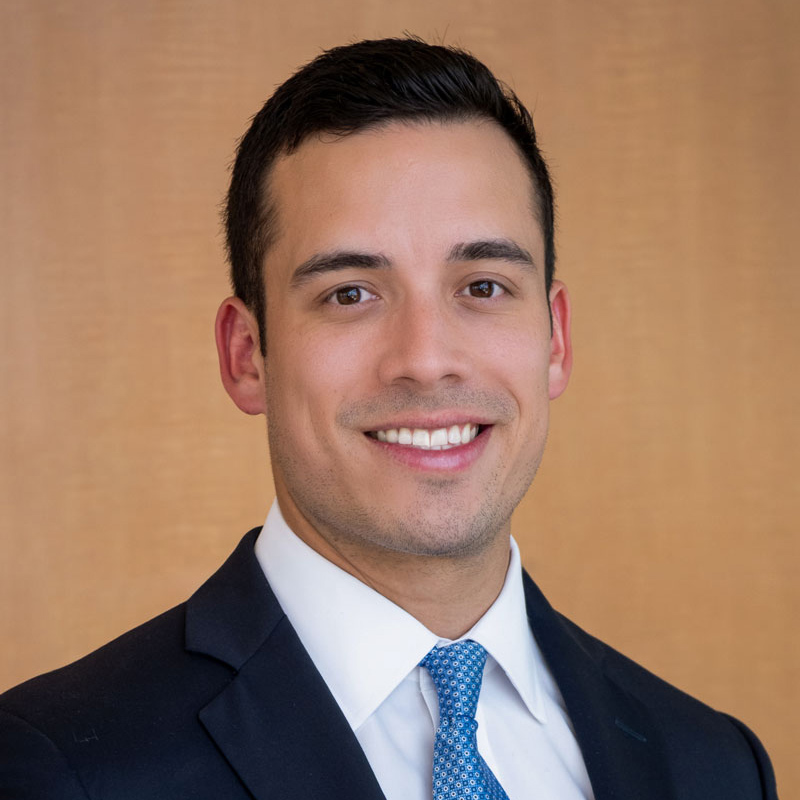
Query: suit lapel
{"type": "Point", "coordinates": [620, 742]}
{"type": "Point", "coordinates": [276, 722]}
{"type": "Point", "coordinates": [284, 735]}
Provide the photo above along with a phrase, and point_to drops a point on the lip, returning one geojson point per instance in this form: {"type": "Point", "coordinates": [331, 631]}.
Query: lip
{"type": "Point", "coordinates": [456, 459]}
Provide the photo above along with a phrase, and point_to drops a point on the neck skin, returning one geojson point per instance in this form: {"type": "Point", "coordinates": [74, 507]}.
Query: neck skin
{"type": "Point", "coordinates": [448, 595]}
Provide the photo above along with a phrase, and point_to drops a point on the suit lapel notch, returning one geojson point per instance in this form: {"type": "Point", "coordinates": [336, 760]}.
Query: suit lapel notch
{"type": "Point", "coordinates": [619, 740]}
{"type": "Point", "coordinates": [234, 611]}
{"type": "Point", "coordinates": [282, 732]}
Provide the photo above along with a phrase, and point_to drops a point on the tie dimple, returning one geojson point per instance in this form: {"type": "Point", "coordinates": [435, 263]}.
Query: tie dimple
{"type": "Point", "coordinates": [459, 771]}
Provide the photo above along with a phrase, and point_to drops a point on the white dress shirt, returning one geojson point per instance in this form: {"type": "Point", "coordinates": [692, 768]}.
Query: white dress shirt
{"type": "Point", "coordinates": [368, 650]}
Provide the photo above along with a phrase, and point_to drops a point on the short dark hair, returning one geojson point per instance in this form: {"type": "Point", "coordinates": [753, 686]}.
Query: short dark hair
{"type": "Point", "coordinates": [352, 88]}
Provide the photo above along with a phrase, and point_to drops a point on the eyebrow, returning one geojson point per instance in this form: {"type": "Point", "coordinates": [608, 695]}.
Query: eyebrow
{"type": "Point", "coordinates": [478, 250]}
{"type": "Point", "coordinates": [491, 250]}
{"type": "Point", "coordinates": [337, 260]}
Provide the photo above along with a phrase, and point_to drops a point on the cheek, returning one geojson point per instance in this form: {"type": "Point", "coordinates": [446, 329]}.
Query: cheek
{"type": "Point", "coordinates": [520, 360]}
{"type": "Point", "coordinates": [308, 380]}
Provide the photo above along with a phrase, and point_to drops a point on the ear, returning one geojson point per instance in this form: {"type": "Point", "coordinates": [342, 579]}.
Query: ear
{"type": "Point", "coordinates": [241, 364]}
{"type": "Point", "coordinates": [560, 340]}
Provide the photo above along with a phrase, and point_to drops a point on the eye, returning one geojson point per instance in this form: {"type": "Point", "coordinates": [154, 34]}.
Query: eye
{"type": "Point", "coordinates": [484, 289]}
{"type": "Point", "coordinates": [349, 296]}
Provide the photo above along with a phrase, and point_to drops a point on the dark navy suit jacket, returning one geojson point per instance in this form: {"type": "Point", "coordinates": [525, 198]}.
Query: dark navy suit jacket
{"type": "Point", "coordinates": [217, 698]}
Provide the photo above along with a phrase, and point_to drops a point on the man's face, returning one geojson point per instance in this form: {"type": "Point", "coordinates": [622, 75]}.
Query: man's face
{"type": "Point", "coordinates": [408, 366]}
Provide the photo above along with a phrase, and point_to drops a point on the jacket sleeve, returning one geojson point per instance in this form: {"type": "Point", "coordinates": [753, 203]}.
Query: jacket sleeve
{"type": "Point", "coordinates": [768, 786]}
{"type": "Point", "coordinates": [31, 766]}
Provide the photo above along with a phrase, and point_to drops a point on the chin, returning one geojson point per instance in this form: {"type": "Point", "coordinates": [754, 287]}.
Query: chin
{"type": "Point", "coordinates": [425, 535]}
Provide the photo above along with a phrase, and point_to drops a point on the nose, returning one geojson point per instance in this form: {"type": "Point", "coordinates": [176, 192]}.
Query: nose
{"type": "Point", "coordinates": [424, 347]}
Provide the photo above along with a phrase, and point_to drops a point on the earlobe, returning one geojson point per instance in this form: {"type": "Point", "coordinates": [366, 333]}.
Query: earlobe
{"type": "Point", "coordinates": [241, 365]}
{"type": "Point", "coordinates": [560, 340]}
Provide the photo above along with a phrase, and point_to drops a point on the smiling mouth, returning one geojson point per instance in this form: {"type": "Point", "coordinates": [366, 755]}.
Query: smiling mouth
{"type": "Point", "coordinates": [429, 438]}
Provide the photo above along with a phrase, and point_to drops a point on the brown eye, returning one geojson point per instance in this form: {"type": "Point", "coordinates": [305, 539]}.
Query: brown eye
{"type": "Point", "coordinates": [483, 288]}
{"type": "Point", "coordinates": [348, 295]}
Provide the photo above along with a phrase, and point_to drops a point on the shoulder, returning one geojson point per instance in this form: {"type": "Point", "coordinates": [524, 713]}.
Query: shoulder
{"type": "Point", "coordinates": [76, 732]}
{"type": "Point", "coordinates": [699, 742]}
{"type": "Point", "coordinates": [661, 698]}
{"type": "Point", "coordinates": [109, 671]}
{"type": "Point", "coordinates": [115, 685]}
{"type": "Point", "coordinates": [136, 699]}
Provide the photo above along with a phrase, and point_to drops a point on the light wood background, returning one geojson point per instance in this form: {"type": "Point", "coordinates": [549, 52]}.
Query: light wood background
{"type": "Point", "coordinates": [664, 518]}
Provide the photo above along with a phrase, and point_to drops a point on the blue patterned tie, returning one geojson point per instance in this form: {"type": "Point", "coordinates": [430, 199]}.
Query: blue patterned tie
{"type": "Point", "coordinates": [459, 772]}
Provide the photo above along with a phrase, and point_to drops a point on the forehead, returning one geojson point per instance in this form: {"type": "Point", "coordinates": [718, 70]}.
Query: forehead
{"type": "Point", "coordinates": [403, 187]}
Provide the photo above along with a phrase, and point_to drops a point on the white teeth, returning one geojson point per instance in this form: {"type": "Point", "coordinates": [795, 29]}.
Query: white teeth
{"type": "Point", "coordinates": [433, 439]}
{"type": "Point", "coordinates": [421, 438]}
{"type": "Point", "coordinates": [438, 437]}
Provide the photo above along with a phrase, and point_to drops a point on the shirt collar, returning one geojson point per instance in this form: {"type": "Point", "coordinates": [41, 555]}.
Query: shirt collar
{"type": "Point", "coordinates": [363, 644]}
{"type": "Point", "coordinates": [505, 633]}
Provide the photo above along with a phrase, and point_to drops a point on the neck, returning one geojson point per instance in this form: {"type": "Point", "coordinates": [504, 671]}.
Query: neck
{"type": "Point", "coordinates": [447, 594]}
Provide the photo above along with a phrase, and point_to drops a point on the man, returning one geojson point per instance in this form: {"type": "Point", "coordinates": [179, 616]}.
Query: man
{"type": "Point", "coordinates": [390, 231]}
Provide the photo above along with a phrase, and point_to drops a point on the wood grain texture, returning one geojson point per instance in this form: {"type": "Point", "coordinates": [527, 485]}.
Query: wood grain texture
{"type": "Point", "coordinates": [664, 517]}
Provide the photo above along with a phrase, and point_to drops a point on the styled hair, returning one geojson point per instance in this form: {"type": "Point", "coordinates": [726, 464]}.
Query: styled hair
{"type": "Point", "coordinates": [352, 88]}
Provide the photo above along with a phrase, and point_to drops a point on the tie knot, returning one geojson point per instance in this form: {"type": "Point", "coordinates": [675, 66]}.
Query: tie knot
{"type": "Point", "coordinates": [457, 672]}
